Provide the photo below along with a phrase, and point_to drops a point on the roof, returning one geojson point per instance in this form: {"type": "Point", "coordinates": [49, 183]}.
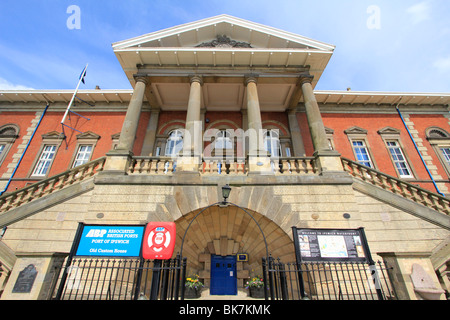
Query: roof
{"type": "Point", "coordinates": [325, 97]}
{"type": "Point", "coordinates": [250, 45]}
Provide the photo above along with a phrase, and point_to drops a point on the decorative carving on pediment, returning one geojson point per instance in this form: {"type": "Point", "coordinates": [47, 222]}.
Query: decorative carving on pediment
{"type": "Point", "coordinates": [224, 42]}
{"type": "Point", "coordinates": [355, 130]}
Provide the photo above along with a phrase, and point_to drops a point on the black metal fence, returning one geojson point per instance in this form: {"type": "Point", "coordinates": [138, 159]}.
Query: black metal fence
{"type": "Point", "coordinates": [327, 281]}
{"type": "Point", "coordinates": [89, 278]}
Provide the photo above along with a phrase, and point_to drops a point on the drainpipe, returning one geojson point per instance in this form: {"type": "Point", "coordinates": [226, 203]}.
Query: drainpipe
{"type": "Point", "coordinates": [24, 151]}
{"type": "Point", "coordinates": [417, 149]}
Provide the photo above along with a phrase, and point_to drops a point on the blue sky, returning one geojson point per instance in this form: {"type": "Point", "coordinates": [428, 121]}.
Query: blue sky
{"type": "Point", "coordinates": [381, 45]}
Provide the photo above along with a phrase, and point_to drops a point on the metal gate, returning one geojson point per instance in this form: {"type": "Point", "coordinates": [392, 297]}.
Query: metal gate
{"type": "Point", "coordinates": [86, 278]}
{"type": "Point", "coordinates": [327, 281]}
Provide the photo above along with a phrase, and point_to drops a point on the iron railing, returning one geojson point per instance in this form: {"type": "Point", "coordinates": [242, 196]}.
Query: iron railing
{"type": "Point", "coordinates": [121, 279]}
{"type": "Point", "coordinates": [327, 281]}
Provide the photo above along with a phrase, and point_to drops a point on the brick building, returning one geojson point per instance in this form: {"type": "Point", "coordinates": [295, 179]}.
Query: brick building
{"type": "Point", "coordinates": [215, 102]}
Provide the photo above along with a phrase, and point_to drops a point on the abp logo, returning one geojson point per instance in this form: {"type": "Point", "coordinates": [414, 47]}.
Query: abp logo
{"type": "Point", "coordinates": [96, 233]}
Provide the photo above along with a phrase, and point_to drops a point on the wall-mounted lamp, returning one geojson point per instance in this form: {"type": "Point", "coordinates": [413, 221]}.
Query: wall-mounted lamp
{"type": "Point", "coordinates": [226, 189]}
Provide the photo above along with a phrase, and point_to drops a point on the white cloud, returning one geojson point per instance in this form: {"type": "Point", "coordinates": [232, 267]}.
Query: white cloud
{"type": "Point", "coordinates": [419, 12]}
{"type": "Point", "coordinates": [6, 85]}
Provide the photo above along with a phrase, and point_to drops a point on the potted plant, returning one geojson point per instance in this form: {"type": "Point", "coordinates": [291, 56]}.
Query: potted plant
{"type": "Point", "coordinates": [193, 287]}
{"type": "Point", "coordinates": [256, 287]}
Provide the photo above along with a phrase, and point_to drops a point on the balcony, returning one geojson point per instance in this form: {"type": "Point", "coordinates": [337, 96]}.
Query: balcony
{"type": "Point", "coordinates": [217, 166]}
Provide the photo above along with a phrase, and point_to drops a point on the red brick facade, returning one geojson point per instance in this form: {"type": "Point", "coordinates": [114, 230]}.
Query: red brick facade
{"type": "Point", "coordinates": [106, 124]}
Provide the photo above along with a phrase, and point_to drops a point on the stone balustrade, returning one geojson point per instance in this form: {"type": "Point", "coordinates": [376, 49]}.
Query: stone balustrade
{"type": "Point", "coordinates": [152, 165]}
{"type": "Point", "coordinates": [215, 165]}
{"type": "Point", "coordinates": [47, 186]}
{"type": "Point", "coordinates": [397, 186]}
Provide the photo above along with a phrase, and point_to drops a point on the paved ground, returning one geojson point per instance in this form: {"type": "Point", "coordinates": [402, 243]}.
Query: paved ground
{"type": "Point", "coordinates": [242, 295]}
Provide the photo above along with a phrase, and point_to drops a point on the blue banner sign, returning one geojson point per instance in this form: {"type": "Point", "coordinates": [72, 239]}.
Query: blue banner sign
{"type": "Point", "coordinates": [111, 241]}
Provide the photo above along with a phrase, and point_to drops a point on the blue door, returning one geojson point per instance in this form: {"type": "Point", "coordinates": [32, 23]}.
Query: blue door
{"type": "Point", "coordinates": [223, 275]}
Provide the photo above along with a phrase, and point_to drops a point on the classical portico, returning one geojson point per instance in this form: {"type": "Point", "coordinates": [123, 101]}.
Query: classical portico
{"type": "Point", "coordinates": [224, 64]}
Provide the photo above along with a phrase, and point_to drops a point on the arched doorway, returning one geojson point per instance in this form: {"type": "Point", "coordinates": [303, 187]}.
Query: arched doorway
{"type": "Point", "coordinates": [229, 234]}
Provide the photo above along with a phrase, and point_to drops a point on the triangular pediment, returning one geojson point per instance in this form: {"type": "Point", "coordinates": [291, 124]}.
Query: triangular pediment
{"type": "Point", "coordinates": [355, 130]}
{"type": "Point", "coordinates": [88, 135]}
{"type": "Point", "coordinates": [221, 42]}
{"type": "Point", "coordinates": [208, 30]}
{"type": "Point", "coordinates": [53, 135]}
{"type": "Point", "coordinates": [388, 130]}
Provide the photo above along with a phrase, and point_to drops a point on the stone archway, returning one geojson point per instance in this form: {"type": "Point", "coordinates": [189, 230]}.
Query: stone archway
{"type": "Point", "coordinates": [226, 231]}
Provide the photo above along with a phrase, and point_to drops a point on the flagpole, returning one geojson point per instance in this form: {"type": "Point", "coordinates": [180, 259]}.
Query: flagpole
{"type": "Point", "coordinates": [74, 94]}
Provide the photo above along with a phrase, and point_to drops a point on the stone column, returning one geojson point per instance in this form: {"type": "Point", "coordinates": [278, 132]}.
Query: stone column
{"type": "Point", "coordinates": [117, 160]}
{"type": "Point", "coordinates": [130, 124]}
{"type": "Point", "coordinates": [296, 137]}
{"type": "Point", "coordinates": [150, 134]}
{"type": "Point", "coordinates": [327, 160]}
{"type": "Point", "coordinates": [254, 117]}
{"type": "Point", "coordinates": [258, 159]}
{"type": "Point", "coordinates": [192, 140]}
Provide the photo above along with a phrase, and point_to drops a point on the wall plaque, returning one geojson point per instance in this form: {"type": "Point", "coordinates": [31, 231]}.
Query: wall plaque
{"type": "Point", "coordinates": [25, 280]}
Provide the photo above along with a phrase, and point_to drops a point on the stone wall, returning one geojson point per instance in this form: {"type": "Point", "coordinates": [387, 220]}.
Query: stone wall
{"type": "Point", "coordinates": [275, 207]}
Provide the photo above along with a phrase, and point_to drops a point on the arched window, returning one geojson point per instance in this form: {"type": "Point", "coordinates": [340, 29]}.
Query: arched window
{"type": "Point", "coordinates": [8, 134]}
{"type": "Point", "coordinates": [223, 140]}
{"type": "Point", "coordinates": [174, 143]}
{"type": "Point", "coordinates": [272, 143]}
{"type": "Point", "coordinates": [439, 140]}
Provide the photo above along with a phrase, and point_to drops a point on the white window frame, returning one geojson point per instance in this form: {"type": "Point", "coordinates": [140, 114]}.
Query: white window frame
{"type": "Point", "coordinates": [356, 134]}
{"type": "Point", "coordinates": [2, 150]}
{"type": "Point", "coordinates": [445, 155]}
{"type": "Point", "coordinates": [395, 145]}
{"type": "Point", "coordinates": [223, 140]}
{"type": "Point", "coordinates": [8, 135]}
{"type": "Point", "coordinates": [439, 139]}
{"type": "Point", "coordinates": [174, 143]}
{"type": "Point", "coordinates": [83, 155]}
{"type": "Point", "coordinates": [272, 142]}
{"type": "Point", "coordinates": [86, 139]}
{"type": "Point", "coordinates": [44, 162]}
{"type": "Point", "coordinates": [53, 138]}
{"type": "Point", "coordinates": [362, 150]}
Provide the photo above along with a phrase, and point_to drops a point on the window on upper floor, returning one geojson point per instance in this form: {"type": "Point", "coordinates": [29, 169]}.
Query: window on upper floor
{"type": "Point", "coordinates": [223, 140]}
{"type": "Point", "coordinates": [2, 148]}
{"type": "Point", "coordinates": [439, 140]}
{"type": "Point", "coordinates": [46, 155]}
{"type": "Point", "coordinates": [361, 153]}
{"type": "Point", "coordinates": [8, 135]}
{"type": "Point", "coordinates": [174, 143]}
{"type": "Point", "coordinates": [83, 155]}
{"type": "Point", "coordinates": [86, 143]}
{"type": "Point", "coordinates": [446, 153]}
{"type": "Point", "coordinates": [360, 146]}
{"type": "Point", "coordinates": [397, 156]}
{"type": "Point", "coordinates": [45, 160]}
{"type": "Point", "coordinates": [272, 143]}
